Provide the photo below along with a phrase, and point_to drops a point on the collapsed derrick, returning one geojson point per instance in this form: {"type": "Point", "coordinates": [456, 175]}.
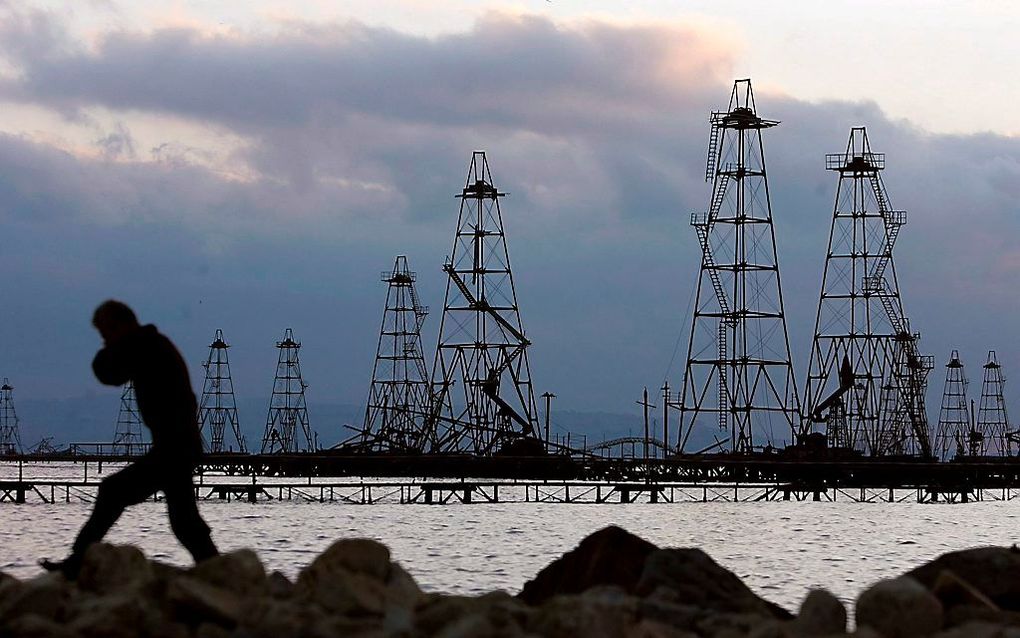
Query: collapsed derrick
{"type": "Point", "coordinates": [483, 400]}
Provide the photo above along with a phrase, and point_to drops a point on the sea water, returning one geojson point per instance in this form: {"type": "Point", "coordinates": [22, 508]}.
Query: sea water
{"type": "Point", "coordinates": [780, 549]}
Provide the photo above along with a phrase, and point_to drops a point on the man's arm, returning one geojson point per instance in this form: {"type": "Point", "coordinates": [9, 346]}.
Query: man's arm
{"type": "Point", "coordinates": [110, 366]}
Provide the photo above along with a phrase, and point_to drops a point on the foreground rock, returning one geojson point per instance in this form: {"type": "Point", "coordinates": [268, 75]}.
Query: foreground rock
{"type": "Point", "coordinates": [613, 584]}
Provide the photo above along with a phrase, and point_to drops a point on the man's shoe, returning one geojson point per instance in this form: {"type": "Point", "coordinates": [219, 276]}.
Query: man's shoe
{"type": "Point", "coordinates": [69, 567]}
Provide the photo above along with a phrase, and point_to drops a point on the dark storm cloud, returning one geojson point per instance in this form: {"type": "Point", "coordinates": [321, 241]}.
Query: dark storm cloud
{"type": "Point", "coordinates": [360, 136]}
{"type": "Point", "coordinates": [557, 79]}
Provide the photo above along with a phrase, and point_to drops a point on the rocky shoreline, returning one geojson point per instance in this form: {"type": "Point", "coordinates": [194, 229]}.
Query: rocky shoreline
{"type": "Point", "coordinates": [612, 584]}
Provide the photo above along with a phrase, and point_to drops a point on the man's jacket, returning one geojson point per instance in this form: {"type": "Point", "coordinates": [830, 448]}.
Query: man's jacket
{"type": "Point", "coordinates": [162, 388]}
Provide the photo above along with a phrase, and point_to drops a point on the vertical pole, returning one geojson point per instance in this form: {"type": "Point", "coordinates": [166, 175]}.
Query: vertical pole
{"type": "Point", "coordinates": [548, 396]}
{"type": "Point", "coordinates": [665, 417]}
{"type": "Point", "coordinates": [645, 404]}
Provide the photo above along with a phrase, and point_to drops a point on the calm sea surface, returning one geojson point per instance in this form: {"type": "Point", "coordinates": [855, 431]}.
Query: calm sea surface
{"type": "Point", "coordinates": [780, 549]}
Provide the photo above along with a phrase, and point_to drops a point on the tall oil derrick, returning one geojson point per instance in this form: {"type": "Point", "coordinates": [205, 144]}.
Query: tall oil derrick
{"type": "Point", "coordinates": [287, 421]}
{"type": "Point", "coordinates": [992, 420]}
{"type": "Point", "coordinates": [738, 380]}
{"type": "Point", "coordinates": [10, 436]}
{"type": "Point", "coordinates": [128, 436]}
{"type": "Point", "coordinates": [866, 379]}
{"type": "Point", "coordinates": [218, 407]}
{"type": "Point", "coordinates": [399, 401]}
{"type": "Point", "coordinates": [954, 434]}
{"type": "Point", "coordinates": [483, 397]}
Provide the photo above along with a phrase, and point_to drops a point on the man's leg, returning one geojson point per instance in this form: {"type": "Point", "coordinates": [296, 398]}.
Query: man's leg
{"type": "Point", "coordinates": [129, 486]}
{"type": "Point", "coordinates": [185, 520]}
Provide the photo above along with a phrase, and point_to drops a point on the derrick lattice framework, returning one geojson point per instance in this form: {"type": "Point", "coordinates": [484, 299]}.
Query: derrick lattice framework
{"type": "Point", "coordinates": [481, 380]}
{"type": "Point", "coordinates": [738, 382]}
{"type": "Point", "coordinates": [866, 379]}
{"type": "Point", "coordinates": [10, 436]}
{"type": "Point", "coordinates": [399, 401]}
{"type": "Point", "coordinates": [128, 438]}
{"type": "Point", "coordinates": [218, 407]}
{"type": "Point", "coordinates": [954, 435]}
{"type": "Point", "coordinates": [287, 428]}
{"type": "Point", "coordinates": [992, 420]}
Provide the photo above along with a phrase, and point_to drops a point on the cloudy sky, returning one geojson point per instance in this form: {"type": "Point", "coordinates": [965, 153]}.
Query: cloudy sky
{"type": "Point", "coordinates": [254, 167]}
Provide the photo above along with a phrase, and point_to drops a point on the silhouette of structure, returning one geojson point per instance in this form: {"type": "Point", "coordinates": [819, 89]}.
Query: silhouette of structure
{"type": "Point", "coordinates": [10, 436]}
{"type": "Point", "coordinates": [866, 380]}
{"type": "Point", "coordinates": [127, 439]}
{"type": "Point", "coordinates": [738, 380]}
{"type": "Point", "coordinates": [399, 400]}
{"type": "Point", "coordinates": [287, 428]}
{"type": "Point", "coordinates": [218, 407]}
{"type": "Point", "coordinates": [484, 402]}
{"type": "Point", "coordinates": [954, 427]}
{"type": "Point", "coordinates": [44, 447]}
{"type": "Point", "coordinates": [992, 420]}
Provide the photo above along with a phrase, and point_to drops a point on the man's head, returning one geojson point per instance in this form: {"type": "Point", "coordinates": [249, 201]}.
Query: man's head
{"type": "Point", "coordinates": [114, 319]}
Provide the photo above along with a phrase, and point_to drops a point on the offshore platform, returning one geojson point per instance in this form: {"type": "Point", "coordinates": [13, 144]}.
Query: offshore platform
{"type": "Point", "coordinates": [857, 428]}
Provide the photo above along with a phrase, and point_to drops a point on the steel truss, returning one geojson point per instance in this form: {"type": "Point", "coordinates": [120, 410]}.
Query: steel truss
{"type": "Point", "coordinates": [287, 428]}
{"type": "Point", "coordinates": [866, 379]}
{"type": "Point", "coordinates": [738, 380]}
{"type": "Point", "coordinates": [128, 437]}
{"type": "Point", "coordinates": [992, 427]}
{"type": "Point", "coordinates": [400, 398]}
{"type": "Point", "coordinates": [484, 401]}
{"type": "Point", "coordinates": [218, 407]}
{"type": "Point", "coordinates": [955, 434]}
{"type": "Point", "coordinates": [10, 435]}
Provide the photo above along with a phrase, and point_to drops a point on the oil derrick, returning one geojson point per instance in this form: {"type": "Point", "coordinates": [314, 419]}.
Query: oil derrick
{"type": "Point", "coordinates": [288, 416]}
{"type": "Point", "coordinates": [484, 402]}
{"type": "Point", "coordinates": [866, 379]}
{"type": "Point", "coordinates": [954, 433]}
{"type": "Point", "coordinates": [399, 400]}
{"type": "Point", "coordinates": [738, 381]}
{"type": "Point", "coordinates": [218, 407]}
{"type": "Point", "coordinates": [128, 436]}
{"type": "Point", "coordinates": [992, 421]}
{"type": "Point", "coordinates": [10, 436]}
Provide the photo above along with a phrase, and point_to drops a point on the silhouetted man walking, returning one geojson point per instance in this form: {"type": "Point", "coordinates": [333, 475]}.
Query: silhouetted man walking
{"type": "Point", "coordinates": [167, 404]}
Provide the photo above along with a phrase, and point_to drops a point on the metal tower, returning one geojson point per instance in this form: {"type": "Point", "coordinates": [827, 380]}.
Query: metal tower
{"type": "Point", "coordinates": [288, 416]}
{"type": "Point", "coordinates": [866, 380]}
{"type": "Point", "coordinates": [484, 401]}
{"type": "Point", "coordinates": [10, 436]}
{"type": "Point", "coordinates": [128, 437]}
{"type": "Point", "coordinates": [954, 433]}
{"type": "Point", "coordinates": [738, 380]}
{"type": "Point", "coordinates": [399, 400]}
{"type": "Point", "coordinates": [992, 420]}
{"type": "Point", "coordinates": [218, 407]}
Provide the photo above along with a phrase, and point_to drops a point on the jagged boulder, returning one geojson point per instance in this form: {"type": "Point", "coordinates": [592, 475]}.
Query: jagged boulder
{"type": "Point", "coordinates": [355, 577]}
{"type": "Point", "coordinates": [491, 614]}
{"type": "Point", "coordinates": [47, 596]}
{"type": "Point", "coordinates": [110, 568]}
{"type": "Point", "coordinates": [899, 608]}
{"type": "Point", "coordinates": [240, 572]}
{"type": "Point", "coordinates": [700, 581]}
{"type": "Point", "coordinates": [598, 612]}
{"type": "Point", "coordinates": [992, 571]}
{"type": "Point", "coordinates": [821, 614]}
{"type": "Point", "coordinates": [610, 556]}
